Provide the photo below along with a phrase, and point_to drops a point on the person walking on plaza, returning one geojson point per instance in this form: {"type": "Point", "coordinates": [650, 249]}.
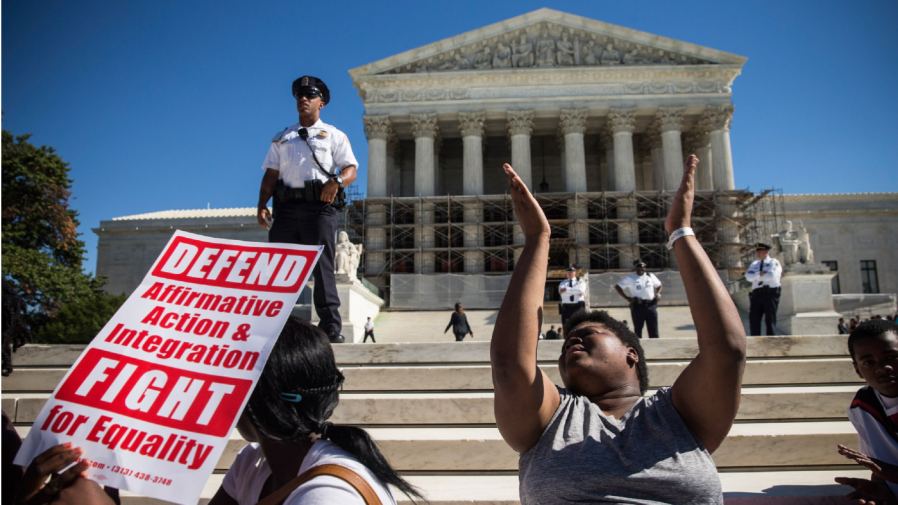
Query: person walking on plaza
{"type": "Point", "coordinates": [459, 324]}
{"type": "Point", "coordinates": [369, 331]}
{"type": "Point", "coordinates": [645, 290]}
{"type": "Point", "coordinates": [307, 167]}
{"type": "Point", "coordinates": [573, 294]}
{"type": "Point", "coordinates": [764, 275]}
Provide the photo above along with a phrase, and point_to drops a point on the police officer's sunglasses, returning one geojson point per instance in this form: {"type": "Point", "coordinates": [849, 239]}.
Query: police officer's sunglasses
{"type": "Point", "coordinates": [308, 94]}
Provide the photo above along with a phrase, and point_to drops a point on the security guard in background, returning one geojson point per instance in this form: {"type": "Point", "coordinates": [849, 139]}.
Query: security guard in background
{"type": "Point", "coordinates": [307, 167]}
{"type": "Point", "coordinates": [573, 294]}
{"type": "Point", "coordinates": [645, 290]}
{"type": "Point", "coordinates": [764, 275]}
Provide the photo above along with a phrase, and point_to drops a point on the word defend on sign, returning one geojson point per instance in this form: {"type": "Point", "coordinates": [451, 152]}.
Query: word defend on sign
{"type": "Point", "coordinates": [153, 399]}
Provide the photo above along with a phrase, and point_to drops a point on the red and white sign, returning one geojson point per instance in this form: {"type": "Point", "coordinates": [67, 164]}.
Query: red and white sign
{"type": "Point", "coordinates": [154, 397]}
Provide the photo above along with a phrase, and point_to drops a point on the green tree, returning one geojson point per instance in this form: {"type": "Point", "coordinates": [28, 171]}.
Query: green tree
{"type": "Point", "coordinates": [41, 251]}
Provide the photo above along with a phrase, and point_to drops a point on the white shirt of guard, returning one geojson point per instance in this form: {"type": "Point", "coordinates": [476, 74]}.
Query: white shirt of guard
{"type": "Point", "coordinates": [572, 288]}
{"type": "Point", "coordinates": [369, 325]}
{"type": "Point", "coordinates": [250, 470]}
{"type": "Point", "coordinates": [641, 286]}
{"type": "Point", "coordinates": [772, 273]}
{"type": "Point", "coordinates": [290, 155]}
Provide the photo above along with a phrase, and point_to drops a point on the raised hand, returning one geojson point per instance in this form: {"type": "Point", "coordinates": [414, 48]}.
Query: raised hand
{"type": "Point", "coordinates": [868, 492]}
{"type": "Point", "coordinates": [680, 215]}
{"type": "Point", "coordinates": [879, 468]}
{"type": "Point", "coordinates": [34, 488]}
{"type": "Point", "coordinates": [534, 224]}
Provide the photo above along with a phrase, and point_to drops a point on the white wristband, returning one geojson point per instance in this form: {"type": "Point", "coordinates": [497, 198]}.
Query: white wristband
{"type": "Point", "coordinates": [682, 232]}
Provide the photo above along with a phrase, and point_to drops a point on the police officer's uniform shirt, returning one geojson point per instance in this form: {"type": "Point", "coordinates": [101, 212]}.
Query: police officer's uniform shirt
{"type": "Point", "coordinates": [290, 155]}
{"type": "Point", "coordinates": [641, 286]}
{"type": "Point", "coordinates": [575, 291]}
{"type": "Point", "coordinates": [772, 273]}
{"type": "Point", "coordinates": [369, 325]}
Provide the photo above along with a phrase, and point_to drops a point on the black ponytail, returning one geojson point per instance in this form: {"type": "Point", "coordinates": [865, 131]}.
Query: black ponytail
{"type": "Point", "coordinates": [302, 363]}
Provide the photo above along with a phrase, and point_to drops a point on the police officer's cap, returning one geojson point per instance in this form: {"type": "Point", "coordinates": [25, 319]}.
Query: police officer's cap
{"type": "Point", "coordinates": [639, 263]}
{"type": "Point", "coordinates": [570, 268]}
{"type": "Point", "coordinates": [308, 84]}
{"type": "Point", "coordinates": [762, 247]}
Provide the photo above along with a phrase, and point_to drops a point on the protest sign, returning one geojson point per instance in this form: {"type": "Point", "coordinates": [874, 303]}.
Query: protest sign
{"type": "Point", "coordinates": [154, 397]}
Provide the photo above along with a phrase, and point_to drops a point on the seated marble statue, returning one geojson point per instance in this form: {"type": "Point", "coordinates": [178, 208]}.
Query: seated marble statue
{"type": "Point", "coordinates": [600, 438]}
{"type": "Point", "coordinates": [347, 256]}
{"type": "Point", "coordinates": [483, 59]}
{"type": "Point", "coordinates": [545, 49]}
{"type": "Point", "coordinates": [589, 56]}
{"type": "Point", "coordinates": [565, 50]}
{"type": "Point", "coordinates": [630, 58]}
{"type": "Point", "coordinates": [502, 58]}
{"type": "Point", "coordinates": [610, 56]}
{"type": "Point", "coordinates": [523, 55]}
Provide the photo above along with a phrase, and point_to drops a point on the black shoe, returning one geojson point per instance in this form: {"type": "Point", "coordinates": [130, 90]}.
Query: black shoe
{"type": "Point", "coordinates": [337, 339]}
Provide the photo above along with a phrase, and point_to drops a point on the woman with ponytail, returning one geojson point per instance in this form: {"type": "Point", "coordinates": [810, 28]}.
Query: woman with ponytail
{"type": "Point", "coordinates": [286, 423]}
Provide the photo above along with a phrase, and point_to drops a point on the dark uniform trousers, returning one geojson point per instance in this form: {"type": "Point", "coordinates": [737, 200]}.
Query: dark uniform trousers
{"type": "Point", "coordinates": [763, 303]}
{"type": "Point", "coordinates": [645, 314]}
{"type": "Point", "coordinates": [313, 223]}
{"type": "Point", "coordinates": [569, 309]}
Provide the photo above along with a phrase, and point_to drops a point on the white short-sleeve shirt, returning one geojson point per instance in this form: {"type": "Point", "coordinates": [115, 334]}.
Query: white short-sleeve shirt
{"type": "Point", "coordinates": [248, 473]}
{"type": "Point", "coordinates": [290, 155]}
{"type": "Point", "coordinates": [641, 286]}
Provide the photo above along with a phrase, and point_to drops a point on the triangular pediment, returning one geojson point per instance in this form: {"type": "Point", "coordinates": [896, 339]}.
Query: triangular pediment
{"type": "Point", "coordinates": [545, 39]}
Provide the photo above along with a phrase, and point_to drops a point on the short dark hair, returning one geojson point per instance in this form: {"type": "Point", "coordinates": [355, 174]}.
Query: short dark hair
{"type": "Point", "coordinates": [621, 331]}
{"type": "Point", "coordinates": [868, 329]}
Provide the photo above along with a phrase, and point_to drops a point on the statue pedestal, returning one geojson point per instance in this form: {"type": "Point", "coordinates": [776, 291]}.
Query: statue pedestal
{"type": "Point", "coordinates": [806, 302]}
{"type": "Point", "coordinates": [357, 304]}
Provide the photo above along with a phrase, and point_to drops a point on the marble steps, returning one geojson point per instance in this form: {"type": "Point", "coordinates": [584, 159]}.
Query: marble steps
{"type": "Point", "coordinates": [473, 377]}
{"type": "Point", "coordinates": [467, 449]}
{"type": "Point", "coordinates": [804, 487]}
{"type": "Point", "coordinates": [476, 408]}
{"type": "Point", "coordinates": [677, 349]}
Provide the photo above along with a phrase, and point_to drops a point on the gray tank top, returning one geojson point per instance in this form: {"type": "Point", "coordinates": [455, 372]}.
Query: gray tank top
{"type": "Point", "coordinates": [649, 456]}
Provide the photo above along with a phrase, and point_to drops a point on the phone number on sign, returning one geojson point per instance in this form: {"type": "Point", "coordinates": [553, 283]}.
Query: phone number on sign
{"type": "Point", "coordinates": [140, 475]}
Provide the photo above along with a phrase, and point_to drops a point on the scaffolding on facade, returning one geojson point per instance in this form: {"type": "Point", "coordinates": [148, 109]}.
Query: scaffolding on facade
{"type": "Point", "coordinates": [598, 232]}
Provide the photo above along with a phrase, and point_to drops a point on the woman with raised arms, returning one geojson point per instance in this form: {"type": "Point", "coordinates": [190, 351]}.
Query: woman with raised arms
{"type": "Point", "coordinates": [600, 439]}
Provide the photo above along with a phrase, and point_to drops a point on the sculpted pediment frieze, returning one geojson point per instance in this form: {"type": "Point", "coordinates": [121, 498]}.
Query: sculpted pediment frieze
{"type": "Point", "coordinates": [548, 45]}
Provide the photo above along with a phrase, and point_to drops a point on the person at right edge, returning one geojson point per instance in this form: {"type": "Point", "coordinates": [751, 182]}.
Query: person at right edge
{"type": "Point", "coordinates": [645, 289]}
{"type": "Point", "coordinates": [764, 275]}
{"type": "Point", "coordinates": [306, 169]}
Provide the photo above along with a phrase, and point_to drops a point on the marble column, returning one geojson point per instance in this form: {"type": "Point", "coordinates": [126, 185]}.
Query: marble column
{"type": "Point", "coordinates": [622, 122]}
{"type": "Point", "coordinates": [471, 125]}
{"type": "Point", "coordinates": [437, 168]}
{"type": "Point", "coordinates": [573, 127]}
{"type": "Point", "coordinates": [647, 174]}
{"type": "Point", "coordinates": [424, 128]}
{"type": "Point", "coordinates": [378, 130]}
{"type": "Point", "coordinates": [719, 119]}
{"type": "Point", "coordinates": [670, 121]}
{"type": "Point", "coordinates": [520, 127]}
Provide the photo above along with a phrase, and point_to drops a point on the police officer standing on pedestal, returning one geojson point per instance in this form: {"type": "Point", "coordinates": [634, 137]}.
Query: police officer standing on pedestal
{"type": "Point", "coordinates": [573, 293]}
{"type": "Point", "coordinates": [645, 290]}
{"type": "Point", "coordinates": [764, 275]}
{"type": "Point", "coordinates": [307, 167]}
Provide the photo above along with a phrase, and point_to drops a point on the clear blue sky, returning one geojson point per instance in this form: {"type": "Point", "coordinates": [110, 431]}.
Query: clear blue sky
{"type": "Point", "coordinates": [171, 105]}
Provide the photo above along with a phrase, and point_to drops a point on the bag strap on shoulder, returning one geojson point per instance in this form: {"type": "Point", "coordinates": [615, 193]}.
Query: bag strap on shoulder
{"type": "Point", "coordinates": [341, 472]}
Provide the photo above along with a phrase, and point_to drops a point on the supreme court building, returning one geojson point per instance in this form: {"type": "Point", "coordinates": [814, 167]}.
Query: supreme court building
{"type": "Point", "coordinates": [597, 119]}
